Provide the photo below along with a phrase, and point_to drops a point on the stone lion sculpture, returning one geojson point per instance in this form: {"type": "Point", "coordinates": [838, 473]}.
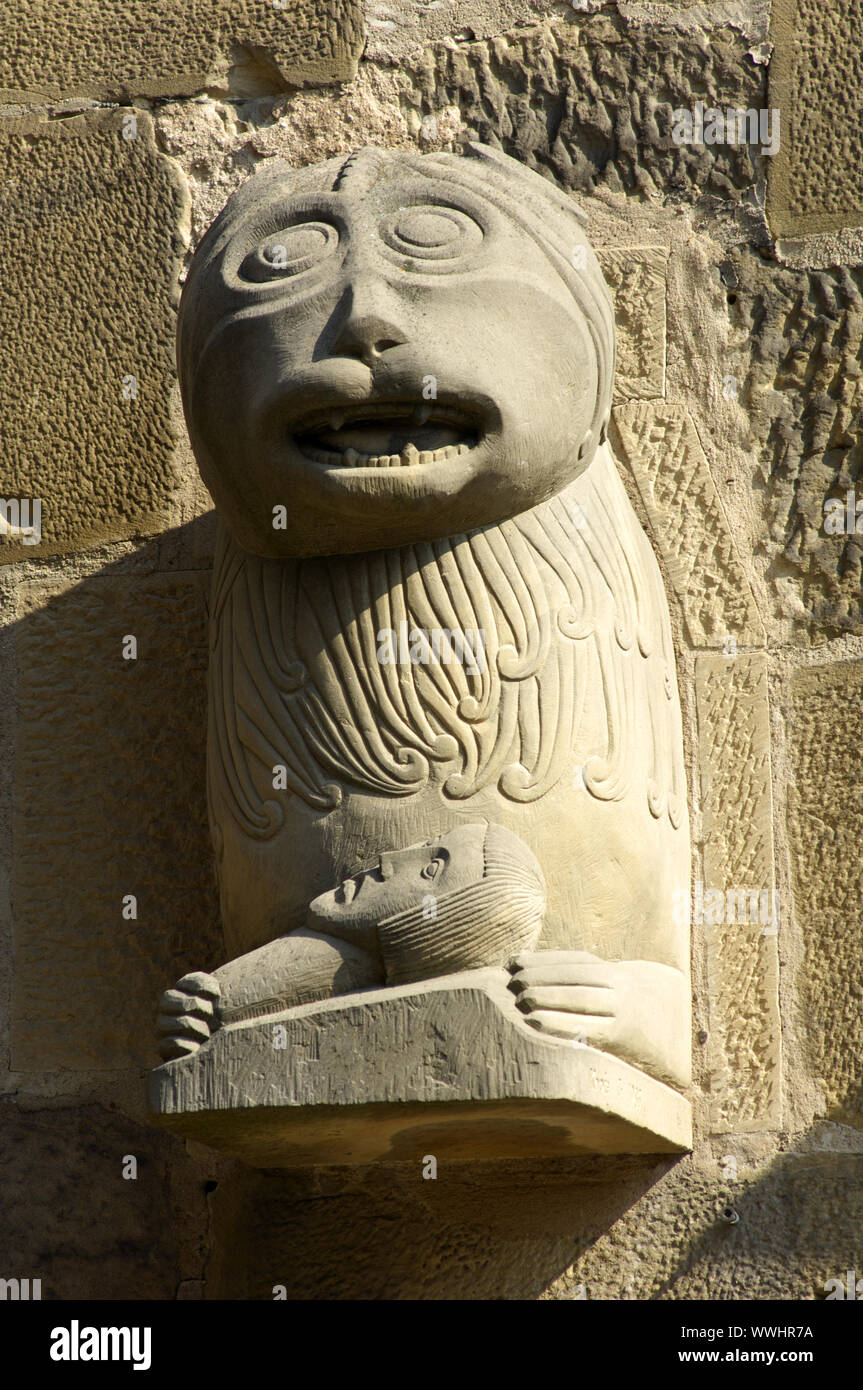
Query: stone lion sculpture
{"type": "Point", "coordinates": [397, 375]}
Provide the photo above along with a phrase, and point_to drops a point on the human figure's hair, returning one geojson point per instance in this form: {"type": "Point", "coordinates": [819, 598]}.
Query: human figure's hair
{"type": "Point", "coordinates": [484, 924]}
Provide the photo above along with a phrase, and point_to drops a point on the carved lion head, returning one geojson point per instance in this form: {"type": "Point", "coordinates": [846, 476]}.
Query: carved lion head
{"type": "Point", "coordinates": [392, 348]}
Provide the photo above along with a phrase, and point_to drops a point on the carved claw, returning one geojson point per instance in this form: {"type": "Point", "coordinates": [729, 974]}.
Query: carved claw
{"type": "Point", "coordinates": [187, 1015]}
{"type": "Point", "coordinates": [569, 994]}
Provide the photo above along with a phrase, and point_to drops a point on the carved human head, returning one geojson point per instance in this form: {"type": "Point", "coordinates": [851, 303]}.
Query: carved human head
{"type": "Point", "coordinates": [391, 348]}
{"type": "Point", "coordinates": [474, 896]}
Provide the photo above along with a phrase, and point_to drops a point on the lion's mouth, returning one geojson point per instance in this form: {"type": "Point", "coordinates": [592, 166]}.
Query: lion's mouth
{"type": "Point", "coordinates": [386, 435]}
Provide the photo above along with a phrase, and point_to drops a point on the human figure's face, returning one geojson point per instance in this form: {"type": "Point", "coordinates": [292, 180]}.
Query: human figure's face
{"type": "Point", "coordinates": [402, 879]}
{"type": "Point", "coordinates": [387, 367]}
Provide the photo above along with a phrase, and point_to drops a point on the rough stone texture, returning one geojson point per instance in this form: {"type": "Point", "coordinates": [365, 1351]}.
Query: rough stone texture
{"type": "Point", "coordinates": [218, 144]}
{"type": "Point", "coordinates": [399, 28]}
{"type": "Point", "coordinates": [93, 1234]}
{"type": "Point", "coordinates": [636, 277]}
{"type": "Point", "coordinates": [590, 1229]}
{"type": "Point", "coordinates": [804, 395]}
{"type": "Point", "coordinates": [744, 1053]}
{"type": "Point", "coordinates": [826, 825]}
{"type": "Point", "coordinates": [104, 213]}
{"type": "Point", "coordinates": [590, 100]}
{"type": "Point", "coordinates": [115, 50]}
{"type": "Point", "coordinates": [816, 78]}
{"type": "Point", "coordinates": [663, 450]}
{"type": "Point", "coordinates": [109, 800]}
{"type": "Point", "coordinates": [799, 1222]}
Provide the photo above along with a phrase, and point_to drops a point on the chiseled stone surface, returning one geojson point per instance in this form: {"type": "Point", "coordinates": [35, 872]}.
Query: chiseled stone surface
{"type": "Point", "coordinates": [90, 241]}
{"type": "Point", "coordinates": [113, 49]}
{"type": "Point", "coordinates": [636, 277]}
{"type": "Point", "coordinates": [816, 79]}
{"type": "Point", "coordinates": [561, 97]}
{"type": "Point", "coordinates": [744, 1043]}
{"type": "Point", "coordinates": [798, 1226]}
{"type": "Point", "coordinates": [399, 28]}
{"type": "Point", "coordinates": [449, 1064]}
{"type": "Point", "coordinates": [803, 395]}
{"type": "Point", "coordinates": [600, 1228]}
{"type": "Point", "coordinates": [109, 800]}
{"type": "Point", "coordinates": [663, 450]}
{"type": "Point", "coordinates": [825, 811]}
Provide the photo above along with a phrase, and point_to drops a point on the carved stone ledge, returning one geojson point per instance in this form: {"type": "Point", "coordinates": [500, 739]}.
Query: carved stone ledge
{"type": "Point", "coordinates": [447, 1067]}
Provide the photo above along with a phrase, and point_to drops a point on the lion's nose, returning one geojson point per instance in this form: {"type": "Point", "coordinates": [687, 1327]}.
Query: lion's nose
{"type": "Point", "coordinates": [368, 325]}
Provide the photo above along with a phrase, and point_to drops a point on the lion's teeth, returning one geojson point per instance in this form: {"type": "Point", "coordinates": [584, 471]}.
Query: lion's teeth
{"type": "Point", "coordinates": [409, 456]}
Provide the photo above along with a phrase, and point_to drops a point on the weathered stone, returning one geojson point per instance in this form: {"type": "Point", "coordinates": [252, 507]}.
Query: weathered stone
{"type": "Point", "coordinates": [398, 28]}
{"type": "Point", "coordinates": [825, 815]}
{"type": "Point", "coordinates": [744, 1044]}
{"type": "Point", "coordinates": [811, 1206]}
{"type": "Point", "coordinates": [804, 396]}
{"type": "Point", "coordinates": [87, 428]}
{"type": "Point", "coordinates": [687, 520]}
{"type": "Point", "coordinates": [116, 50]}
{"type": "Point", "coordinates": [561, 99]}
{"type": "Point", "coordinates": [217, 143]}
{"type": "Point", "coordinates": [109, 801]}
{"type": "Point", "coordinates": [370, 468]}
{"type": "Point", "coordinates": [636, 277]}
{"type": "Point", "coordinates": [449, 1067]}
{"type": "Point", "coordinates": [816, 80]}
{"type": "Point", "coordinates": [71, 1218]}
{"type": "Point", "coordinates": [604, 1228]}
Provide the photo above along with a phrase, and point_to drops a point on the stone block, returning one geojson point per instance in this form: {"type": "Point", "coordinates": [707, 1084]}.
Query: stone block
{"type": "Point", "coordinates": [744, 1043]}
{"type": "Point", "coordinates": [816, 80]}
{"type": "Point", "coordinates": [560, 1229]}
{"type": "Point", "coordinates": [448, 1067]}
{"type": "Point", "coordinates": [109, 801]}
{"type": "Point", "coordinates": [798, 1224]}
{"type": "Point", "coordinates": [804, 397]}
{"type": "Point", "coordinates": [113, 50]}
{"type": "Point", "coordinates": [587, 100]}
{"type": "Point", "coordinates": [688, 523]}
{"type": "Point", "coordinates": [90, 241]}
{"type": "Point", "coordinates": [636, 277]}
{"type": "Point", "coordinates": [825, 825]}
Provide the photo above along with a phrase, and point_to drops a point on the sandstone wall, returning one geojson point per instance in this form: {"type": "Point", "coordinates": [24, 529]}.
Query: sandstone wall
{"type": "Point", "coordinates": [738, 280]}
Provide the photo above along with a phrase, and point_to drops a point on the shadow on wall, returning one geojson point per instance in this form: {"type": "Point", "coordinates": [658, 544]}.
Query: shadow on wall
{"type": "Point", "coordinates": [113, 888]}
{"type": "Point", "coordinates": [595, 1228]}
{"type": "Point", "coordinates": [496, 1230]}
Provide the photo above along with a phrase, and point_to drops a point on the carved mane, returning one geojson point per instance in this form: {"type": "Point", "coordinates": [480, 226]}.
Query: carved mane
{"type": "Point", "coordinates": [570, 598]}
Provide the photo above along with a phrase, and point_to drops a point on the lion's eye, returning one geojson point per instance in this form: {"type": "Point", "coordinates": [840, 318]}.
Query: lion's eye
{"type": "Point", "coordinates": [290, 252]}
{"type": "Point", "coordinates": [431, 233]}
